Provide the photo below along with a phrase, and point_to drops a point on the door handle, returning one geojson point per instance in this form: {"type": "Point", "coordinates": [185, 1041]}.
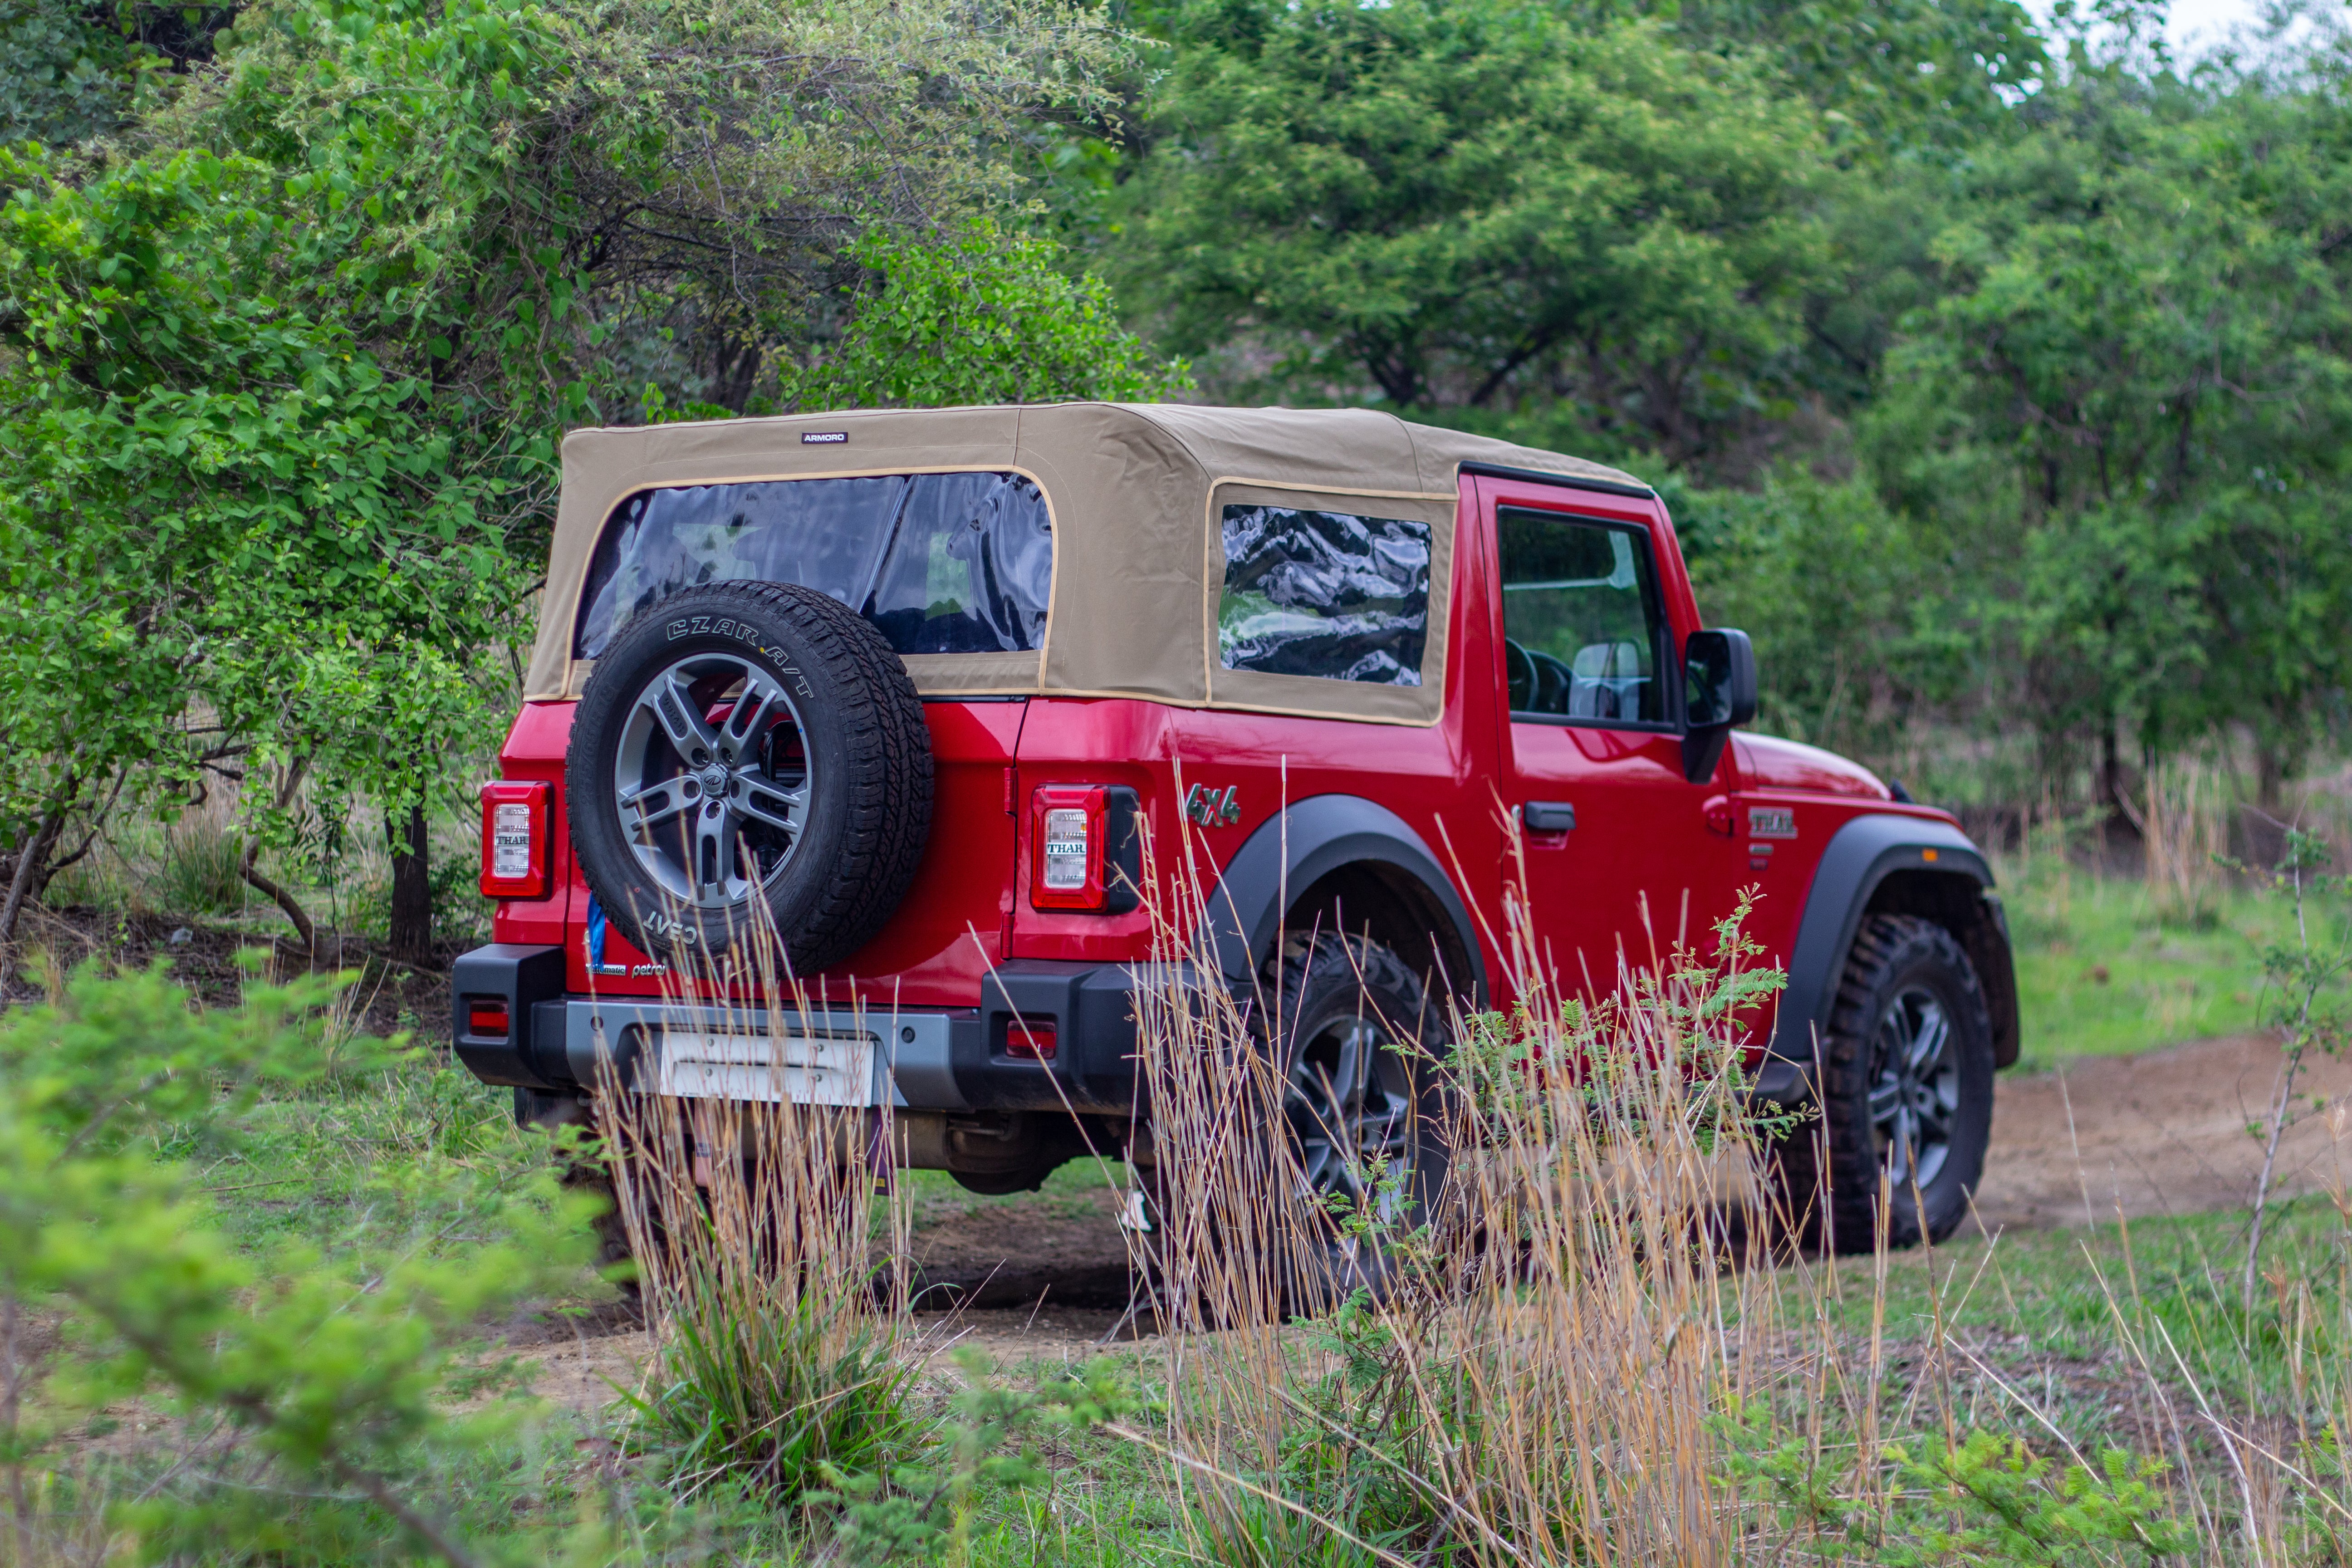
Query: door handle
{"type": "Point", "coordinates": [1549, 816]}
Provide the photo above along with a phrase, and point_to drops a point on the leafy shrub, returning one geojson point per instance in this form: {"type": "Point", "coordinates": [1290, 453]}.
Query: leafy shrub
{"type": "Point", "coordinates": [776, 1386]}
{"type": "Point", "coordinates": [306, 1369]}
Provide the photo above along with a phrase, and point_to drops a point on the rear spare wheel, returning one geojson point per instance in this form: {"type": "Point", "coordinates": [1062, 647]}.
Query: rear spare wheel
{"type": "Point", "coordinates": [749, 755]}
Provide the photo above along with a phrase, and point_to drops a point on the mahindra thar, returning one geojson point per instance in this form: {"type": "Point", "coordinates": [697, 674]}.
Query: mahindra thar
{"type": "Point", "coordinates": [906, 693]}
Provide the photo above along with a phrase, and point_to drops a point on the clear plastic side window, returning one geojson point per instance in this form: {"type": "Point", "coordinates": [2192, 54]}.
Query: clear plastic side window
{"type": "Point", "coordinates": [1582, 631]}
{"type": "Point", "coordinates": [1326, 593]}
{"type": "Point", "coordinates": [938, 563]}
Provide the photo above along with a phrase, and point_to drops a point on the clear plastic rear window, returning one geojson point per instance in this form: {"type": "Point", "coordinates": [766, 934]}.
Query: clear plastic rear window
{"type": "Point", "coordinates": [939, 563]}
{"type": "Point", "coordinates": [1326, 593]}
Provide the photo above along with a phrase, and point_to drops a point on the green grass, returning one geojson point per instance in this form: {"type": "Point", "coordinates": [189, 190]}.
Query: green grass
{"type": "Point", "coordinates": [2055, 1299]}
{"type": "Point", "coordinates": [2099, 972]}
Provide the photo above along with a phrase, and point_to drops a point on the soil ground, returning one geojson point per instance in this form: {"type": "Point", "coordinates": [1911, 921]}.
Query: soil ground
{"type": "Point", "coordinates": [2158, 1134]}
{"type": "Point", "coordinates": [389, 998]}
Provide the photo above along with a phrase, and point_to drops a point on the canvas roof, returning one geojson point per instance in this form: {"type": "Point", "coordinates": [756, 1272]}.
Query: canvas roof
{"type": "Point", "coordinates": [1135, 493]}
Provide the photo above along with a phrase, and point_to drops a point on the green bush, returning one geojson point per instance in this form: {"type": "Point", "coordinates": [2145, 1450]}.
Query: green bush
{"type": "Point", "coordinates": [329, 1373]}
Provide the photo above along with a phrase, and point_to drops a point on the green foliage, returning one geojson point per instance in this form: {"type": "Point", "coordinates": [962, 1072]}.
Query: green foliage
{"type": "Point", "coordinates": [923, 1510]}
{"type": "Point", "coordinates": [279, 394]}
{"type": "Point", "coordinates": [62, 72]}
{"type": "Point", "coordinates": [198, 872]}
{"type": "Point", "coordinates": [786, 1391]}
{"type": "Point", "coordinates": [981, 316]}
{"type": "Point", "coordinates": [1908, 76]}
{"type": "Point", "coordinates": [1482, 208]}
{"type": "Point", "coordinates": [232, 535]}
{"type": "Point", "coordinates": [1986, 1498]}
{"type": "Point", "coordinates": [2121, 425]}
{"type": "Point", "coordinates": [324, 1366]}
{"type": "Point", "coordinates": [1829, 583]}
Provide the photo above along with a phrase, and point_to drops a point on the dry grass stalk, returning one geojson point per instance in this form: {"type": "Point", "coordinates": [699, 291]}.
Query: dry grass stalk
{"type": "Point", "coordinates": [777, 1341]}
{"type": "Point", "coordinates": [1583, 1352]}
{"type": "Point", "coordinates": [1590, 1351]}
{"type": "Point", "coordinates": [2184, 833]}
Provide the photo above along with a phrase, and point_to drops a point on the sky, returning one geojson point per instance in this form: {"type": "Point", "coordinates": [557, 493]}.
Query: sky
{"type": "Point", "coordinates": [2189, 24]}
{"type": "Point", "coordinates": [2212, 19]}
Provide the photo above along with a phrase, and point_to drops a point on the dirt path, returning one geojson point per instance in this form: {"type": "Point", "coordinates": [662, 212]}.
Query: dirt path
{"type": "Point", "coordinates": [2162, 1133]}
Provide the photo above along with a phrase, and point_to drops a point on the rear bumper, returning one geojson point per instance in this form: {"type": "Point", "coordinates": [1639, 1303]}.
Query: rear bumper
{"type": "Point", "coordinates": [923, 1059]}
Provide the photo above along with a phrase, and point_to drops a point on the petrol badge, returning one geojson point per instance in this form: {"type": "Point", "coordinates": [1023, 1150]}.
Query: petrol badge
{"type": "Point", "coordinates": [1204, 805]}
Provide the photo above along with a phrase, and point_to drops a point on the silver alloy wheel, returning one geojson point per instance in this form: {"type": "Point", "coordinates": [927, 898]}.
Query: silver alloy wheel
{"type": "Point", "coordinates": [1348, 1104]}
{"type": "Point", "coordinates": [1915, 1088]}
{"type": "Point", "coordinates": [712, 779]}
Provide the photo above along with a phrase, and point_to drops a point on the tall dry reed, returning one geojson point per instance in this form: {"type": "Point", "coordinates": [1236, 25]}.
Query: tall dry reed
{"type": "Point", "coordinates": [1595, 1349]}
{"type": "Point", "coordinates": [778, 1341]}
{"type": "Point", "coordinates": [2182, 817]}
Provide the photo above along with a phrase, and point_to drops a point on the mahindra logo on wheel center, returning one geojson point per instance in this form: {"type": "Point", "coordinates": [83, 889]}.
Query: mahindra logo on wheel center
{"type": "Point", "coordinates": [1204, 805]}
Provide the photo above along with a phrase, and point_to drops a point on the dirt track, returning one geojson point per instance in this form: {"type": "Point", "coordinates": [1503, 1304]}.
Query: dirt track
{"type": "Point", "coordinates": [2163, 1134]}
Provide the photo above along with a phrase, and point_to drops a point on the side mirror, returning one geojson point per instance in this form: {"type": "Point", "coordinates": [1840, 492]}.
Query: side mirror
{"type": "Point", "coordinates": [1720, 692]}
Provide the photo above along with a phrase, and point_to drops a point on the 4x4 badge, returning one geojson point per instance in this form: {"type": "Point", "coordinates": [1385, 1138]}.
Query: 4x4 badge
{"type": "Point", "coordinates": [1204, 805]}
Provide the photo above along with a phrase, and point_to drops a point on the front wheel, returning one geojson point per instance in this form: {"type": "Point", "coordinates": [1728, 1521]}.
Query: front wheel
{"type": "Point", "coordinates": [1906, 1095]}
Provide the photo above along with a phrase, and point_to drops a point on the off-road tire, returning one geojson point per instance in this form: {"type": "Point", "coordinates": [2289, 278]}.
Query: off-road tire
{"type": "Point", "coordinates": [1828, 1171]}
{"type": "Point", "coordinates": [870, 806]}
{"type": "Point", "coordinates": [1317, 986]}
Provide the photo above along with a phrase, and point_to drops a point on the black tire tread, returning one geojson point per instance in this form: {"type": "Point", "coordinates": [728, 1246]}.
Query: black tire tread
{"type": "Point", "coordinates": [1828, 1170]}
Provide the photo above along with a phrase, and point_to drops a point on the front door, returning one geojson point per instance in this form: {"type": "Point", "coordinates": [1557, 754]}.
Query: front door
{"type": "Point", "coordinates": [1620, 860]}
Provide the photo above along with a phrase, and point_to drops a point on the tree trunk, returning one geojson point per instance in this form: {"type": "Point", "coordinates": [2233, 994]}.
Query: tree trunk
{"type": "Point", "coordinates": [412, 890]}
{"type": "Point", "coordinates": [2111, 776]}
{"type": "Point", "coordinates": [279, 894]}
{"type": "Point", "coordinates": [2270, 776]}
{"type": "Point", "coordinates": [29, 863]}
{"type": "Point", "coordinates": [250, 867]}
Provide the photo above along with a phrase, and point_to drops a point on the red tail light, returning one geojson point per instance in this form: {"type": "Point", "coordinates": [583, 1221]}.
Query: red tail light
{"type": "Point", "coordinates": [486, 1017]}
{"type": "Point", "coordinates": [1066, 830]}
{"type": "Point", "coordinates": [514, 840]}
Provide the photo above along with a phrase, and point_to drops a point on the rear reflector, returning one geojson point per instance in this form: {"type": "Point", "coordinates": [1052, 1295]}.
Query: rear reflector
{"type": "Point", "coordinates": [1032, 1038]}
{"type": "Point", "coordinates": [486, 1017]}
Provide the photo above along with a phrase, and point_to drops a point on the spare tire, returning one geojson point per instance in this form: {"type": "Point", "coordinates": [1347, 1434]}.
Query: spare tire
{"type": "Point", "coordinates": [749, 756]}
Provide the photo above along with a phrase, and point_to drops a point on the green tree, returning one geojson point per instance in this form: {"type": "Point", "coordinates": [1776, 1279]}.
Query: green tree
{"type": "Point", "coordinates": [981, 316]}
{"type": "Point", "coordinates": [1482, 211]}
{"type": "Point", "coordinates": [279, 396]}
{"type": "Point", "coordinates": [2124, 421]}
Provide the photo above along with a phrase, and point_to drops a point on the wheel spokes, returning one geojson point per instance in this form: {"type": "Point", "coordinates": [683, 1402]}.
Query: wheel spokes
{"type": "Point", "coordinates": [1915, 1093]}
{"type": "Point", "coordinates": [786, 814]}
{"type": "Point", "coordinates": [1927, 1043]}
{"type": "Point", "coordinates": [751, 712]}
{"type": "Point", "coordinates": [707, 819]}
{"type": "Point", "coordinates": [656, 803]}
{"type": "Point", "coordinates": [672, 705]}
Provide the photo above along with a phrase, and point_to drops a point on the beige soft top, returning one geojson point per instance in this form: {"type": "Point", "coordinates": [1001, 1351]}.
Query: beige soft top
{"type": "Point", "coordinates": [1135, 492]}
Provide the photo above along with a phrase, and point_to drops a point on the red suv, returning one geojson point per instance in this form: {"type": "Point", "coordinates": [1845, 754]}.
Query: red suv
{"type": "Point", "coordinates": [901, 696]}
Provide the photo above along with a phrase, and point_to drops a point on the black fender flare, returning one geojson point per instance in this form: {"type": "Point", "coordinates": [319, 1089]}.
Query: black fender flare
{"type": "Point", "coordinates": [1297, 847]}
{"type": "Point", "coordinates": [1860, 856]}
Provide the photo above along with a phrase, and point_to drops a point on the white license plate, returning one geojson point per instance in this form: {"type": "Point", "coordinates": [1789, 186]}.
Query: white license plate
{"type": "Point", "coordinates": [806, 1069]}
